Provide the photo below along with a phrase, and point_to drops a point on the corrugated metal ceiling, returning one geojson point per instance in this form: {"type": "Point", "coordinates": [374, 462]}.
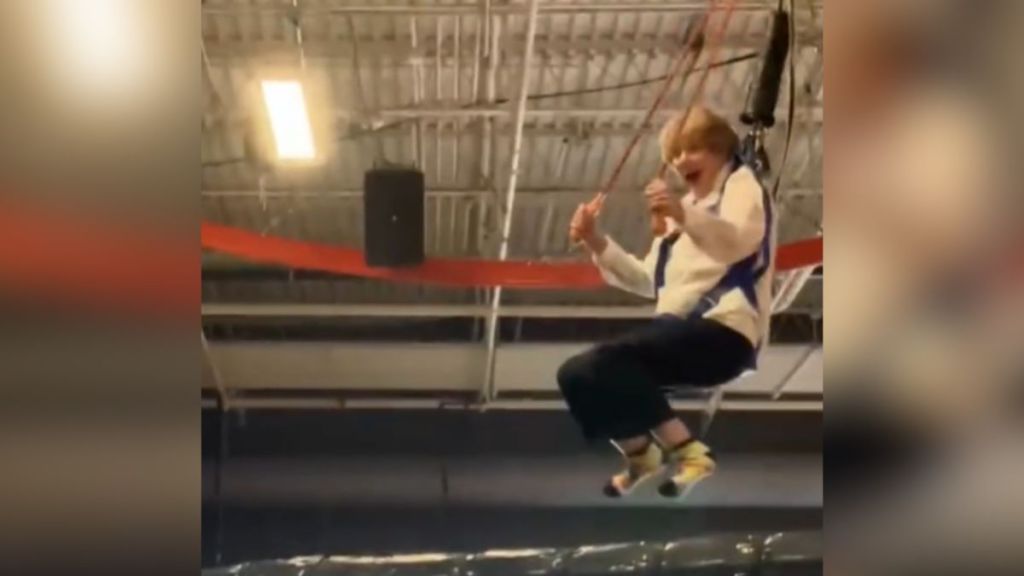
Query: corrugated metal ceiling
{"type": "Point", "coordinates": [429, 83]}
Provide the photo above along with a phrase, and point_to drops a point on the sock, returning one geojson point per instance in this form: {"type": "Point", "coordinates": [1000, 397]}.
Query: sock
{"type": "Point", "coordinates": [683, 444]}
{"type": "Point", "coordinates": [691, 447]}
{"type": "Point", "coordinates": [641, 450]}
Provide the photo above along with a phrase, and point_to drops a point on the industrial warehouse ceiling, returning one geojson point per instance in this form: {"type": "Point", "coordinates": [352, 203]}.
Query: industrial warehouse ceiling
{"type": "Point", "coordinates": [434, 84]}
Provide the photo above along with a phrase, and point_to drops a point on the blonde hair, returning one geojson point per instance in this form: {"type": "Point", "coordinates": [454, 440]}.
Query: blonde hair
{"type": "Point", "coordinates": [704, 130]}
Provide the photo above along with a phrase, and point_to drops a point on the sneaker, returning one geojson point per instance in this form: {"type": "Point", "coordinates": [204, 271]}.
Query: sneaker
{"type": "Point", "coordinates": [639, 467]}
{"type": "Point", "coordinates": [691, 462]}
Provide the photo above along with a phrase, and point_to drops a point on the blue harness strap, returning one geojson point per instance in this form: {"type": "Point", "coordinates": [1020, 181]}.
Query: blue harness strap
{"type": "Point", "coordinates": [664, 251]}
{"type": "Point", "coordinates": [744, 274]}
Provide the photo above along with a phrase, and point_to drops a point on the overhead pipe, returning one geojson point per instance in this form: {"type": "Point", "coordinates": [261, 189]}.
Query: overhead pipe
{"type": "Point", "coordinates": [468, 8]}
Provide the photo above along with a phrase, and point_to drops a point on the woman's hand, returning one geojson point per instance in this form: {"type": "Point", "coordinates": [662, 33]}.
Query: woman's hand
{"type": "Point", "coordinates": [583, 227]}
{"type": "Point", "coordinates": [662, 202]}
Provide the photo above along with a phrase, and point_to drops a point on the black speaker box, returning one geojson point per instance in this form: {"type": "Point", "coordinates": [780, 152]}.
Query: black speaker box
{"type": "Point", "coordinates": [393, 205]}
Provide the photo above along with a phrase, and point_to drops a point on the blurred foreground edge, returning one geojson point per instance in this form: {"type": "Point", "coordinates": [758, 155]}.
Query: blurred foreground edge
{"type": "Point", "coordinates": [793, 554]}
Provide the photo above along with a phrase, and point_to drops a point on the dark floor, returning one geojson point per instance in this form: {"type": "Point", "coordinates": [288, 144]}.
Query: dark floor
{"type": "Point", "coordinates": [308, 483]}
{"type": "Point", "coordinates": [469, 432]}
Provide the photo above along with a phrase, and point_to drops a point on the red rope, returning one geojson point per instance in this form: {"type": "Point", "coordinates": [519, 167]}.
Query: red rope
{"type": "Point", "coordinates": [658, 225]}
{"type": "Point", "coordinates": [691, 53]}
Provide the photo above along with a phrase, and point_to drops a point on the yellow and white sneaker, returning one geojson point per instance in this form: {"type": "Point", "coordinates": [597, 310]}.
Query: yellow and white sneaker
{"type": "Point", "coordinates": [690, 463]}
{"type": "Point", "coordinates": [639, 467]}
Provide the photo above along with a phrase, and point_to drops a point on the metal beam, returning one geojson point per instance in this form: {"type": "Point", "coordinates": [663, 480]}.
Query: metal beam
{"type": "Point", "coordinates": [569, 194]}
{"type": "Point", "coordinates": [332, 402]}
{"type": "Point", "coordinates": [225, 310]}
{"type": "Point", "coordinates": [473, 8]}
{"type": "Point", "coordinates": [806, 114]}
{"type": "Point", "coordinates": [230, 53]}
{"type": "Point", "coordinates": [379, 369]}
{"type": "Point", "coordinates": [588, 117]}
{"type": "Point", "coordinates": [510, 197]}
{"type": "Point", "coordinates": [535, 129]}
{"type": "Point", "coordinates": [256, 310]}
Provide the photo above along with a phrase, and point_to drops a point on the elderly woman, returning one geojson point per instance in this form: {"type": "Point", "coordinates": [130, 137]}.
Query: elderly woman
{"type": "Point", "coordinates": [710, 273]}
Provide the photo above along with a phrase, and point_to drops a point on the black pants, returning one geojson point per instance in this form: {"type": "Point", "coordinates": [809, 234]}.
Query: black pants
{"type": "Point", "coordinates": [616, 390]}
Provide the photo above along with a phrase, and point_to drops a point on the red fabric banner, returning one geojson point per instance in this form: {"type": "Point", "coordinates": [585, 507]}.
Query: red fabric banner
{"type": "Point", "coordinates": [51, 255]}
{"type": "Point", "coordinates": [445, 272]}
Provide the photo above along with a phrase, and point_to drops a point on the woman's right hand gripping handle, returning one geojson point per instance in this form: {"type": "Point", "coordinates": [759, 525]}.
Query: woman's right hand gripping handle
{"type": "Point", "coordinates": [583, 227]}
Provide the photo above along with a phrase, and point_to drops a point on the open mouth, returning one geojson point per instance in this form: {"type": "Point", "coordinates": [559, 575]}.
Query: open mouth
{"type": "Point", "coordinates": [692, 177]}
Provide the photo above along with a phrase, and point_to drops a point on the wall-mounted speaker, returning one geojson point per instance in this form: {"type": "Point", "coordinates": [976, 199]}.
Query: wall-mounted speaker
{"type": "Point", "coordinates": [393, 208]}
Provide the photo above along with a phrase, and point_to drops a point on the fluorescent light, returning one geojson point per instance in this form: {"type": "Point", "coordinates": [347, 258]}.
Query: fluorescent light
{"type": "Point", "coordinates": [289, 120]}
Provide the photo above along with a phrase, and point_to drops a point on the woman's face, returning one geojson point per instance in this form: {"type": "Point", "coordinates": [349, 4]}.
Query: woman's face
{"type": "Point", "coordinates": [698, 167]}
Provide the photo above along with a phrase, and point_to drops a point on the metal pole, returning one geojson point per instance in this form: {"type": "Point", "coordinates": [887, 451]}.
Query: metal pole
{"type": "Point", "coordinates": [489, 94]}
{"type": "Point", "coordinates": [357, 72]}
{"type": "Point", "coordinates": [487, 129]}
{"type": "Point", "coordinates": [208, 71]}
{"type": "Point", "coordinates": [791, 286]}
{"type": "Point", "coordinates": [218, 382]}
{"type": "Point", "coordinates": [781, 386]}
{"type": "Point", "coordinates": [456, 81]}
{"type": "Point", "coordinates": [417, 89]}
{"type": "Point", "coordinates": [438, 33]}
{"type": "Point", "coordinates": [510, 198]}
{"type": "Point", "coordinates": [478, 54]}
{"type": "Point", "coordinates": [222, 444]}
{"type": "Point", "coordinates": [297, 22]}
